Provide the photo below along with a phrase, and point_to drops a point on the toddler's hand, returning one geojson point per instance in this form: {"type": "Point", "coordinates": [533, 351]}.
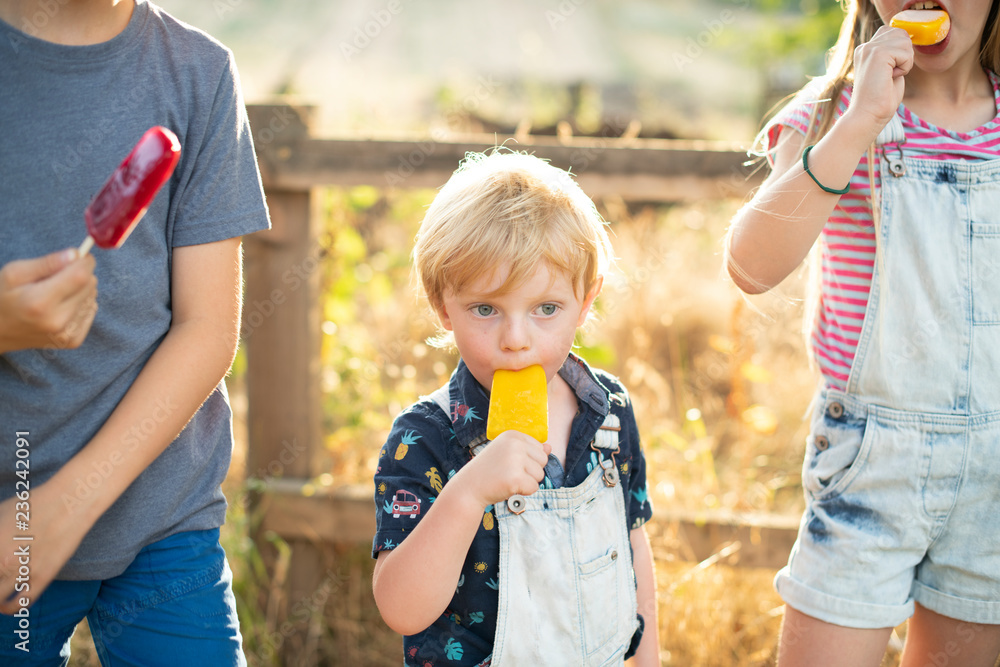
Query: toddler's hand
{"type": "Point", "coordinates": [513, 463]}
{"type": "Point", "coordinates": [879, 67]}
{"type": "Point", "coordinates": [47, 301]}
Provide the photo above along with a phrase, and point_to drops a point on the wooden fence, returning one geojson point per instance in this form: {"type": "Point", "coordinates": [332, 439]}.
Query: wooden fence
{"type": "Point", "coordinates": [284, 413]}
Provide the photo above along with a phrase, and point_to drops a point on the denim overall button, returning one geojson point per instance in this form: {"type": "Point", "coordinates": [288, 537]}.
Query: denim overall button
{"type": "Point", "coordinates": [610, 473]}
{"type": "Point", "coordinates": [822, 443]}
{"type": "Point", "coordinates": [835, 410]}
{"type": "Point", "coordinates": [614, 555]}
{"type": "Point", "coordinates": [516, 504]}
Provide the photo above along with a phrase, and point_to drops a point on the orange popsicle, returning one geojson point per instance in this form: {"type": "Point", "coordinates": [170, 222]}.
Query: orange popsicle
{"type": "Point", "coordinates": [519, 401]}
{"type": "Point", "coordinates": [925, 26]}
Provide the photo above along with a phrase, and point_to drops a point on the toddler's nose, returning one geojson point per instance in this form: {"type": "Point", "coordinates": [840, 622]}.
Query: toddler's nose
{"type": "Point", "coordinates": [515, 336]}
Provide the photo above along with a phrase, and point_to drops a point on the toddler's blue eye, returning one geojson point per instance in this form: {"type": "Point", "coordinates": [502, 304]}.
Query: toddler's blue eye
{"type": "Point", "coordinates": [548, 308]}
{"type": "Point", "coordinates": [484, 310]}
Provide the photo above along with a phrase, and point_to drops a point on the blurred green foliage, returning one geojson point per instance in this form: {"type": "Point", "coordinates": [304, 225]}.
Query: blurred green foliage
{"type": "Point", "coordinates": [800, 31]}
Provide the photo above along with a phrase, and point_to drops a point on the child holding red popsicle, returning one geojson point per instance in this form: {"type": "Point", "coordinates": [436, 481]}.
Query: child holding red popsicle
{"type": "Point", "coordinates": [889, 166]}
{"type": "Point", "coordinates": [117, 441]}
{"type": "Point", "coordinates": [496, 547]}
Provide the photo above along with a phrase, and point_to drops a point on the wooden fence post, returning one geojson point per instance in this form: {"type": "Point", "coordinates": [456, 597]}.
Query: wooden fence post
{"type": "Point", "coordinates": [281, 331]}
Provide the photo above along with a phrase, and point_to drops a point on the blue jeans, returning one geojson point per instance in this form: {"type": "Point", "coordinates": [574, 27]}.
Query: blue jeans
{"type": "Point", "coordinates": [174, 605]}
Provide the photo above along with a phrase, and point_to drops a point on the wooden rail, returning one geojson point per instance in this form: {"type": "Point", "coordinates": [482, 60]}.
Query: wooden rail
{"type": "Point", "coordinates": [284, 414]}
{"type": "Point", "coordinates": [302, 510]}
{"type": "Point", "coordinates": [636, 169]}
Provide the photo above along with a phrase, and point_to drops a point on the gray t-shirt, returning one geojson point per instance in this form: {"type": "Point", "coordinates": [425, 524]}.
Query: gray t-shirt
{"type": "Point", "coordinates": [69, 115]}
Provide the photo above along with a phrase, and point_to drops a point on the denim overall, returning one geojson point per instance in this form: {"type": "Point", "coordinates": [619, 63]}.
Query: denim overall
{"type": "Point", "coordinates": [567, 589]}
{"type": "Point", "coordinates": [901, 470]}
{"type": "Point", "coordinates": [567, 592]}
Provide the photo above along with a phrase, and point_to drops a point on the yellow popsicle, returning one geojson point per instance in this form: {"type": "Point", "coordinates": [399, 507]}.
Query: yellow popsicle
{"type": "Point", "coordinates": [925, 26]}
{"type": "Point", "coordinates": [519, 401]}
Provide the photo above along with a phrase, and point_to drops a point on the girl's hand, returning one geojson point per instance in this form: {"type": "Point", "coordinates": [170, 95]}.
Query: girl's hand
{"type": "Point", "coordinates": [880, 66]}
{"type": "Point", "coordinates": [513, 463]}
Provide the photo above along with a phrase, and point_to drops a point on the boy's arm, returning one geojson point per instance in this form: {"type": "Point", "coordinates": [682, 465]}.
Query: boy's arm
{"type": "Point", "coordinates": [645, 577]}
{"type": "Point", "coordinates": [414, 582]}
{"type": "Point", "coordinates": [193, 357]}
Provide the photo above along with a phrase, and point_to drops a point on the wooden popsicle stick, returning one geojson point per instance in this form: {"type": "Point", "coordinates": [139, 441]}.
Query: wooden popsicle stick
{"type": "Point", "coordinates": [85, 247]}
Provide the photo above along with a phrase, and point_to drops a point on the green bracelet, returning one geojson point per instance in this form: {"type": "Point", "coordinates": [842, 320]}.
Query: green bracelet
{"type": "Point", "coordinates": [805, 165]}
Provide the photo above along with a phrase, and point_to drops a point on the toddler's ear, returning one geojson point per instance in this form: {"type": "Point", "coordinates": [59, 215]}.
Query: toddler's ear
{"type": "Point", "coordinates": [588, 299]}
{"type": "Point", "coordinates": [443, 317]}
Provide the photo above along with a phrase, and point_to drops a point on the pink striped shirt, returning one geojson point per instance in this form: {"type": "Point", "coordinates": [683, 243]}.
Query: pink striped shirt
{"type": "Point", "coordinates": [847, 243]}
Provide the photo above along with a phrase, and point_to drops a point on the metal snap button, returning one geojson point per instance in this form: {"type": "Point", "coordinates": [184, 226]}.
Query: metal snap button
{"type": "Point", "coordinates": [822, 443]}
{"type": "Point", "coordinates": [614, 555]}
{"type": "Point", "coordinates": [516, 504]}
{"type": "Point", "coordinates": [611, 475]}
{"type": "Point", "coordinates": [835, 410]}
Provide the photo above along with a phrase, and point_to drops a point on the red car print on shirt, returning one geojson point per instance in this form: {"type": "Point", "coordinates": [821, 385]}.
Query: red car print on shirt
{"type": "Point", "coordinates": [405, 503]}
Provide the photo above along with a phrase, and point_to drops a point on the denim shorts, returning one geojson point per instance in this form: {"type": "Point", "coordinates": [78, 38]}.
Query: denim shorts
{"type": "Point", "coordinates": [174, 605]}
{"type": "Point", "coordinates": [901, 507]}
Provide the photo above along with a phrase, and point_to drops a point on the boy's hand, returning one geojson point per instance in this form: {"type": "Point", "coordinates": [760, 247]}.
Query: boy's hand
{"type": "Point", "coordinates": [30, 566]}
{"type": "Point", "coordinates": [513, 463]}
{"type": "Point", "coordinates": [47, 301]}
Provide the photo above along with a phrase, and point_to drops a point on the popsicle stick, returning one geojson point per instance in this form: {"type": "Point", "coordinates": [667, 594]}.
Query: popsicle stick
{"type": "Point", "coordinates": [85, 247]}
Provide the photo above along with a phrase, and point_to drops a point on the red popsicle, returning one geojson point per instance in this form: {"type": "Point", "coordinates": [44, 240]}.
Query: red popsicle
{"type": "Point", "coordinates": [116, 208]}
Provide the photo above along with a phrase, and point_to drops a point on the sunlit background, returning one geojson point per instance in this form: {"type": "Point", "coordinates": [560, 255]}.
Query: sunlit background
{"type": "Point", "coordinates": [701, 69]}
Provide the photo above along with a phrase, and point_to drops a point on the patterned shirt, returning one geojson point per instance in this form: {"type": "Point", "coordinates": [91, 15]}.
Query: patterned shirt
{"type": "Point", "coordinates": [847, 243]}
{"type": "Point", "coordinates": [426, 447]}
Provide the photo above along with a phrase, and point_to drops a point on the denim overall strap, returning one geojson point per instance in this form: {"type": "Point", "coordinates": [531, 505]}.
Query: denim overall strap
{"type": "Point", "coordinates": [567, 588]}
{"type": "Point", "coordinates": [931, 335]}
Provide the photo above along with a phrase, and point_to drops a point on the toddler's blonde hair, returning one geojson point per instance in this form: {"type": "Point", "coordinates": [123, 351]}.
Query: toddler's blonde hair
{"type": "Point", "coordinates": [509, 210]}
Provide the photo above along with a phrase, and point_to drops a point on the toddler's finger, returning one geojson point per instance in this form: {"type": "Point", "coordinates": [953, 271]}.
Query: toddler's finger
{"type": "Point", "coordinates": [547, 448]}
